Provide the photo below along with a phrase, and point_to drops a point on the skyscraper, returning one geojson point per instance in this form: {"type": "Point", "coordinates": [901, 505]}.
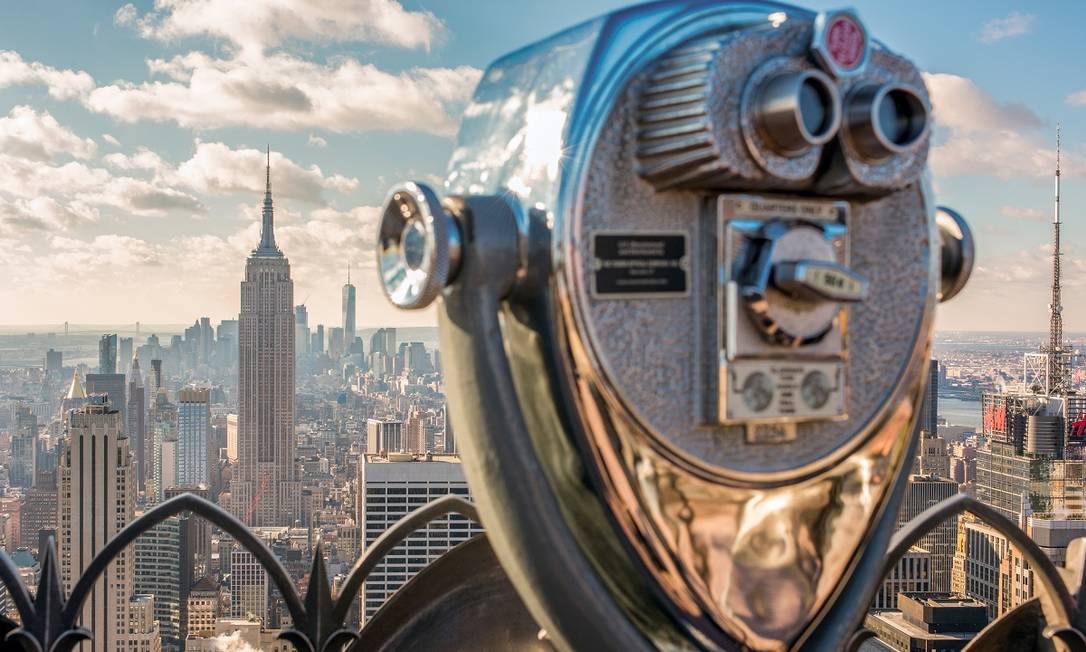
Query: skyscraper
{"type": "Point", "coordinates": [54, 361]}
{"type": "Point", "coordinates": [335, 343]}
{"type": "Point", "coordinates": [112, 385]}
{"type": "Point", "coordinates": [301, 330]}
{"type": "Point", "coordinates": [162, 469]}
{"type": "Point", "coordinates": [929, 410]}
{"type": "Point", "coordinates": [136, 419]}
{"type": "Point", "coordinates": [124, 352]}
{"type": "Point", "coordinates": [390, 487]}
{"type": "Point", "coordinates": [193, 436]}
{"type": "Point", "coordinates": [97, 499]}
{"type": "Point", "coordinates": [265, 488]}
{"type": "Point", "coordinates": [248, 586]}
{"type": "Point", "coordinates": [383, 341]}
{"type": "Point", "coordinates": [348, 312]}
{"type": "Point", "coordinates": [39, 510]}
{"type": "Point", "coordinates": [158, 565]}
{"type": "Point", "coordinates": [107, 354]}
{"type": "Point", "coordinates": [77, 394]}
{"type": "Point", "coordinates": [155, 381]}
{"type": "Point", "coordinates": [384, 436]}
{"type": "Point", "coordinates": [24, 447]}
{"type": "Point", "coordinates": [923, 492]}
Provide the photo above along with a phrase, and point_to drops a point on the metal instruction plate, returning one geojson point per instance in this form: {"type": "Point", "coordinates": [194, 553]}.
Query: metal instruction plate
{"type": "Point", "coordinates": [754, 207]}
{"type": "Point", "coordinates": [783, 389]}
{"type": "Point", "coordinates": [639, 265]}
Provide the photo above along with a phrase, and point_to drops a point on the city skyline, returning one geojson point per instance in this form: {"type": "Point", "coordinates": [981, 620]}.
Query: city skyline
{"type": "Point", "coordinates": [217, 431]}
{"type": "Point", "coordinates": [104, 181]}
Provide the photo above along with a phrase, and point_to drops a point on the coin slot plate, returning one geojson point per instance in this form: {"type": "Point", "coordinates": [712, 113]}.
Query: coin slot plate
{"type": "Point", "coordinates": [767, 387]}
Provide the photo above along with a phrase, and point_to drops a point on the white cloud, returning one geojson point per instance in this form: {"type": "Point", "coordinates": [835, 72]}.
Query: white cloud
{"type": "Point", "coordinates": [1013, 24]}
{"type": "Point", "coordinates": [126, 15]}
{"type": "Point", "coordinates": [308, 241]}
{"type": "Point", "coordinates": [960, 104]}
{"type": "Point", "coordinates": [317, 141]}
{"type": "Point", "coordinates": [977, 134]}
{"type": "Point", "coordinates": [256, 26]}
{"type": "Point", "coordinates": [1078, 98]}
{"type": "Point", "coordinates": [199, 273]}
{"type": "Point", "coordinates": [1031, 267]}
{"type": "Point", "coordinates": [1019, 213]}
{"type": "Point", "coordinates": [142, 159]}
{"type": "Point", "coordinates": [104, 254]}
{"type": "Point", "coordinates": [111, 140]}
{"type": "Point", "coordinates": [43, 213]}
{"type": "Point", "coordinates": [28, 134]}
{"type": "Point", "coordinates": [140, 197]}
{"type": "Point", "coordinates": [38, 192]}
{"type": "Point", "coordinates": [61, 84]}
{"type": "Point", "coordinates": [29, 179]}
{"type": "Point", "coordinates": [287, 93]}
{"type": "Point", "coordinates": [217, 168]}
{"type": "Point", "coordinates": [350, 234]}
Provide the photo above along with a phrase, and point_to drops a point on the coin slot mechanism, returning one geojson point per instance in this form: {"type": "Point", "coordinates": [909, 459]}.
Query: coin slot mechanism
{"type": "Point", "coordinates": [782, 339]}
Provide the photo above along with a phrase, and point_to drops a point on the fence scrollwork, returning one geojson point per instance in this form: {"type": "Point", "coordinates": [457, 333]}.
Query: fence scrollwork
{"type": "Point", "coordinates": [49, 620]}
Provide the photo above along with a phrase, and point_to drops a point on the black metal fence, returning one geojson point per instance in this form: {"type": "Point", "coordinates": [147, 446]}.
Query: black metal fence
{"type": "Point", "coordinates": [49, 619]}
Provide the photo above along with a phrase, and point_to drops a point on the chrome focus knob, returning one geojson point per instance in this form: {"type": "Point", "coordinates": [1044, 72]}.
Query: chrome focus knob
{"type": "Point", "coordinates": [418, 247]}
{"type": "Point", "coordinates": [957, 252]}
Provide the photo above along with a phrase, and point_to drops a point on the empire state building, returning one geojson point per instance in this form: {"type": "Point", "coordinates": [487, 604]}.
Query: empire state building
{"type": "Point", "coordinates": [265, 489]}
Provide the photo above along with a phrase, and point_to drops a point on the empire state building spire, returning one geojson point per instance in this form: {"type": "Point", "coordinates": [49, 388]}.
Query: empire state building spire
{"type": "Point", "coordinates": [265, 487]}
{"type": "Point", "coordinates": [267, 227]}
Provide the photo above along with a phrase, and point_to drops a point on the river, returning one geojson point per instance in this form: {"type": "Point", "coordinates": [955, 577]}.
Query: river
{"type": "Point", "coordinates": [959, 412]}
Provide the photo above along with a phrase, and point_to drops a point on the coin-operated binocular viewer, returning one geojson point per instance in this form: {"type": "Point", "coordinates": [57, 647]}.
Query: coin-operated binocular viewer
{"type": "Point", "coordinates": [686, 262]}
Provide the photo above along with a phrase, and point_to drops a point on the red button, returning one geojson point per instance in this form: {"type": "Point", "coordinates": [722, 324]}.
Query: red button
{"type": "Point", "coordinates": [845, 42]}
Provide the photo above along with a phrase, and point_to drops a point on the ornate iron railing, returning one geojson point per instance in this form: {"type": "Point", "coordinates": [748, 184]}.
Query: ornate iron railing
{"type": "Point", "coordinates": [49, 619]}
{"type": "Point", "coordinates": [1064, 613]}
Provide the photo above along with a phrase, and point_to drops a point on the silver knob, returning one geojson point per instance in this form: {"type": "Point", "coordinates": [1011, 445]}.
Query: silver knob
{"type": "Point", "coordinates": [819, 280]}
{"type": "Point", "coordinates": [957, 252]}
{"type": "Point", "coordinates": [418, 246]}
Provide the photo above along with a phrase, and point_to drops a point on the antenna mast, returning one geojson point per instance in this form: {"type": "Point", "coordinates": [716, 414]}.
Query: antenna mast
{"type": "Point", "coordinates": [1059, 381]}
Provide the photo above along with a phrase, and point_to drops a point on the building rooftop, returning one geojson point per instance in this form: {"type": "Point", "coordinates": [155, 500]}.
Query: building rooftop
{"type": "Point", "coordinates": [943, 600]}
{"type": "Point", "coordinates": [896, 619]}
{"type": "Point", "coordinates": [400, 458]}
{"type": "Point", "coordinates": [205, 585]}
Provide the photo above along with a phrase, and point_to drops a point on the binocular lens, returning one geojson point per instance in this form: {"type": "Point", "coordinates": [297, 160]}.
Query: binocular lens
{"type": "Point", "coordinates": [901, 117]}
{"type": "Point", "coordinates": [796, 111]}
{"type": "Point", "coordinates": [885, 120]}
{"type": "Point", "coordinates": [814, 107]}
{"type": "Point", "coordinates": [413, 244]}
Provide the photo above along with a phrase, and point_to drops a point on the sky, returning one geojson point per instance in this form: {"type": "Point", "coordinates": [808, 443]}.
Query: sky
{"type": "Point", "coordinates": [132, 140]}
